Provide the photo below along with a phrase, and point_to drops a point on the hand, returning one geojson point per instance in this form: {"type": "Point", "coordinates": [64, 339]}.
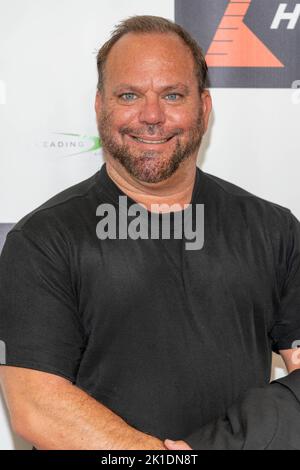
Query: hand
{"type": "Point", "coordinates": [176, 445]}
{"type": "Point", "coordinates": [143, 441]}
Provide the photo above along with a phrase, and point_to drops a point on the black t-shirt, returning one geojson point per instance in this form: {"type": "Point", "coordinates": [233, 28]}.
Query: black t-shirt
{"type": "Point", "coordinates": [167, 338]}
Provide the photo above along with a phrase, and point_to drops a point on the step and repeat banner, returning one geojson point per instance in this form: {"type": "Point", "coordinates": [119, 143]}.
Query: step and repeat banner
{"type": "Point", "coordinates": [48, 80]}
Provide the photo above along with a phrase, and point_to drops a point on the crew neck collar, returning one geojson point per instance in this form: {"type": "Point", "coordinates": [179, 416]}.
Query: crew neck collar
{"type": "Point", "coordinates": [105, 181]}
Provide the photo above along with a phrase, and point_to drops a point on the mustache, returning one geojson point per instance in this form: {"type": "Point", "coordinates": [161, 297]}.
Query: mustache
{"type": "Point", "coordinates": [151, 131]}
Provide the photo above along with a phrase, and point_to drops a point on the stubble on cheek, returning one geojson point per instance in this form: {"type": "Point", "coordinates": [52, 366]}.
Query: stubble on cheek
{"type": "Point", "coordinates": [150, 165]}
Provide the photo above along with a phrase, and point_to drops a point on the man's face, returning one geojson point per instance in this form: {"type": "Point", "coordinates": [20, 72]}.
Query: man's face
{"type": "Point", "coordinates": [150, 114]}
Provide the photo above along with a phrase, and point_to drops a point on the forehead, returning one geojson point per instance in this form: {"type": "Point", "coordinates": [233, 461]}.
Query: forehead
{"type": "Point", "coordinates": [152, 56]}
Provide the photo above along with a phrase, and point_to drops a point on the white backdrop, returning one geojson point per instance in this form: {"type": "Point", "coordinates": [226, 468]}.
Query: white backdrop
{"type": "Point", "coordinates": [47, 87]}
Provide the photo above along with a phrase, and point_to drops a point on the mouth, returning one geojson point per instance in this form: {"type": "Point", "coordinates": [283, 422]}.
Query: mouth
{"type": "Point", "coordinates": [151, 141]}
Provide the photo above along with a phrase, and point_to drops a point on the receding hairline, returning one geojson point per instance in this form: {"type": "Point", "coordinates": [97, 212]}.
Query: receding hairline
{"type": "Point", "coordinates": [154, 25]}
{"type": "Point", "coordinates": [151, 33]}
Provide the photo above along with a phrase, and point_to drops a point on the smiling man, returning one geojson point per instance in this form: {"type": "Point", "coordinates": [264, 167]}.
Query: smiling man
{"type": "Point", "coordinates": [126, 343]}
{"type": "Point", "coordinates": [152, 122]}
{"type": "Point", "coordinates": [152, 112]}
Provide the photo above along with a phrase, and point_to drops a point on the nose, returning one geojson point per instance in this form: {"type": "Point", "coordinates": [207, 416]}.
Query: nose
{"type": "Point", "coordinates": [152, 111]}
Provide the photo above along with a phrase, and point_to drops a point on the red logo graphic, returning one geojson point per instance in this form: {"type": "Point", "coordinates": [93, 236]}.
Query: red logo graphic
{"type": "Point", "coordinates": [235, 45]}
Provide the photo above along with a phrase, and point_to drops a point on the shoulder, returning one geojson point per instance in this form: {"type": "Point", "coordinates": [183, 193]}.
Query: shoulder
{"type": "Point", "coordinates": [238, 201]}
{"type": "Point", "coordinates": [59, 212]}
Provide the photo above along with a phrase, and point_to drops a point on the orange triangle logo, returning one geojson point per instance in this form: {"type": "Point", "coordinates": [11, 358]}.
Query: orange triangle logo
{"type": "Point", "coordinates": [235, 45]}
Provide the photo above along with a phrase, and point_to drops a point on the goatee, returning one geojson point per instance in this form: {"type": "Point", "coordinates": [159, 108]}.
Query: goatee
{"type": "Point", "coordinates": [150, 166]}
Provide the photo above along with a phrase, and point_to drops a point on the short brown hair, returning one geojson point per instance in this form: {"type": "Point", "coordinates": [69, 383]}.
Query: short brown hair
{"type": "Point", "coordinates": [153, 24]}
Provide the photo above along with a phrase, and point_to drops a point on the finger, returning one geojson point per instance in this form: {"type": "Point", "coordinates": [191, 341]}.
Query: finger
{"type": "Point", "coordinates": [176, 445]}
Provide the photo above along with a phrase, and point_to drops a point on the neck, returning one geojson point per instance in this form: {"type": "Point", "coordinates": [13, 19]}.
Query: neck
{"type": "Point", "coordinates": [177, 189]}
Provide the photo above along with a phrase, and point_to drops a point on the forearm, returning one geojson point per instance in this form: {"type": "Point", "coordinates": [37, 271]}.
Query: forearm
{"type": "Point", "coordinates": [71, 419]}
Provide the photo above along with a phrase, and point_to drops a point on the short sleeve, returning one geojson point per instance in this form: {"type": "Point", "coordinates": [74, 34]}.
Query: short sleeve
{"type": "Point", "coordinates": [286, 330]}
{"type": "Point", "coordinates": [40, 327]}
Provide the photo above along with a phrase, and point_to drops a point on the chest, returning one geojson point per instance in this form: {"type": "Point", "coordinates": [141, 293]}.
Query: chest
{"type": "Point", "coordinates": [222, 288]}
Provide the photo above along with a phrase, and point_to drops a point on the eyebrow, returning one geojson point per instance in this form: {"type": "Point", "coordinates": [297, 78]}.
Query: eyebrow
{"type": "Point", "coordinates": [174, 86]}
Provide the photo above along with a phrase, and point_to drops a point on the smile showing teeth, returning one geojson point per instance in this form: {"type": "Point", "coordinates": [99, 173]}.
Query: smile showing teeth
{"type": "Point", "coordinates": [150, 141]}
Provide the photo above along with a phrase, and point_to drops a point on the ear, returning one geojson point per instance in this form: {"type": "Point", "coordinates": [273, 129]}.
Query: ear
{"type": "Point", "coordinates": [206, 107]}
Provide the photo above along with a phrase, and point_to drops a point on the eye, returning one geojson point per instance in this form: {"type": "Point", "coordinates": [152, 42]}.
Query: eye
{"type": "Point", "coordinates": [173, 96]}
{"type": "Point", "coordinates": [128, 96]}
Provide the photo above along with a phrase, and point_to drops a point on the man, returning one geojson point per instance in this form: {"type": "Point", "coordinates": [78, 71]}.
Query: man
{"type": "Point", "coordinates": [128, 343]}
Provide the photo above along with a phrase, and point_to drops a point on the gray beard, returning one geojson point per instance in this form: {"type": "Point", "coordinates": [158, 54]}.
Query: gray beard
{"type": "Point", "coordinates": [149, 167]}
